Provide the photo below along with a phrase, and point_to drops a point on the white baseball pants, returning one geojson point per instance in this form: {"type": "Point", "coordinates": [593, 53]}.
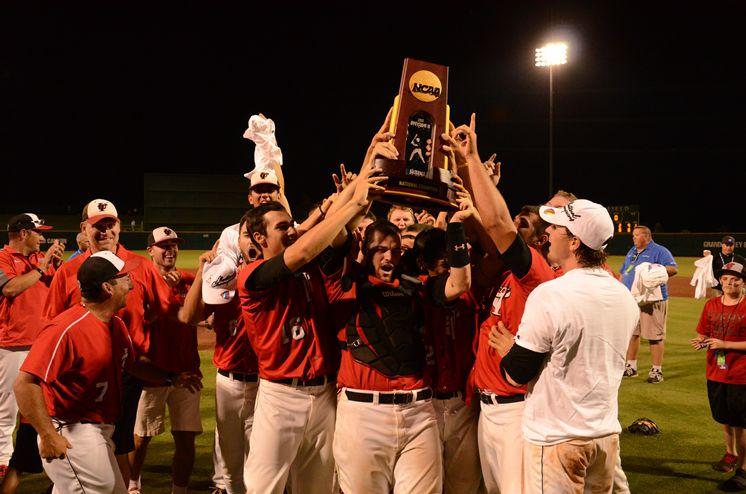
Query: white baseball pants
{"type": "Point", "coordinates": [218, 465]}
{"type": "Point", "coordinates": [387, 448]}
{"type": "Point", "coordinates": [457, 425]}
{"type": "Point", "coordinates": [501, 447]}
{"type": "Point", "coordinates": [576, 466]}
{"type": "Point", "coordinates": [291, 442]}
{"type": "Point", "coordinates": [234, 416]}
{"type": "Point", "coordinates": [90, 465]}
{"type": "Point", "coordinates": [10, 362]}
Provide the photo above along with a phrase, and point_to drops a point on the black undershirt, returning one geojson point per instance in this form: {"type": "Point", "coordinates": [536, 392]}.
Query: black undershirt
{"type": "Point", "coordinates": [518, 257]}
{"type": "Point", "coordinates": [269, 274]}
{"type": "Point", "coordinates": [522, 364]}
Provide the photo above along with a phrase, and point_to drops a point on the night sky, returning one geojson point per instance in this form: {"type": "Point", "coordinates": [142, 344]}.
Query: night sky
{"type": "Point", "coordinates": [649, 111]}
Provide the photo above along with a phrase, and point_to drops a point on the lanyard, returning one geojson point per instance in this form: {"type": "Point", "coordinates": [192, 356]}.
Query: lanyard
{"type": "Point", "coordinates": [724, 326]}
{"type": "Point", "coordinates": [633, 260]}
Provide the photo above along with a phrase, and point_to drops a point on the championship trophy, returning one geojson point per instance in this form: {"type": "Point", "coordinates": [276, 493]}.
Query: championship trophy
{"type": "Point", "coordinates": [421, 176]}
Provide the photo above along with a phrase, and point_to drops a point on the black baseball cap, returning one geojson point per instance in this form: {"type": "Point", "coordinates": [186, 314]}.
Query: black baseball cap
{"type": "Point", "coordinates": [729, 240]}
{"type": "Point", "coordinates": [26, 221]}
{"type": "Point", "coordinates": [100, 268]}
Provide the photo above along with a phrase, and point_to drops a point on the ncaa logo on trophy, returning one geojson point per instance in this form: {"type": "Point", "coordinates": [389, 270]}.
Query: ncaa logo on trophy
{"type": "Point", "coordinates": [421, 176]}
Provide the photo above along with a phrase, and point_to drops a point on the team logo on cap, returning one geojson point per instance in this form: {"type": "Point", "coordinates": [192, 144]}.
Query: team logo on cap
{"type": "Point", "coordinates": [102, 206]}
{"type": "Point", "coordinates": [729, 265]}
{"type": "Point", "coordinates": [167, 231]}
{"type": "Point", "coordinates": [570, 213]}
{"type": "Point", "coordinates": [263, 175]}
{"type": "Point", "coordinates": [425, 86]}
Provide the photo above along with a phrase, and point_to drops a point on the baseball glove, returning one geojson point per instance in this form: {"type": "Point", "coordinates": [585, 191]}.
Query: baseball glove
{"type": "Point", "coordinates": [644, 426]}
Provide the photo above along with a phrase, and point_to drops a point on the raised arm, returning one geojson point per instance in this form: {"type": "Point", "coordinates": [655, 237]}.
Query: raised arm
{"type": "Point", "coordinates": [193, 310]}
{"type": "Point", "coordinates": [489, 202]}
{"type": "Point", "coordinates": [310, 245]}
{"type": "Point", "coordinates": [459, 277]}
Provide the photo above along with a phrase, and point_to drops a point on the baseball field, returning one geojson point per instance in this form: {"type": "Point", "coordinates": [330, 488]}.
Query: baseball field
{"type": "Point", "coordinates": [677, 460]}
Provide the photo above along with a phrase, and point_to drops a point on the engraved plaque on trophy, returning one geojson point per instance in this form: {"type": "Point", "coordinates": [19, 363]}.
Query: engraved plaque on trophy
{"type": "Point", "coordinates": [421, 176]}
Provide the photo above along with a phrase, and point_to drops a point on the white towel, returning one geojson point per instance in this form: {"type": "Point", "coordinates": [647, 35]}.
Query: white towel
{"type": "Point", "coordinates": [266, 153]}
{"type": "Point", "coordinates": [703, 277]}
{"type": "Point", "coordinates": [646, 287]}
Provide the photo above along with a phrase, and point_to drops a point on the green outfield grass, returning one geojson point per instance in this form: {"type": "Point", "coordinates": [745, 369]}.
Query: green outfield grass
{"type": "Point", "coordinates": [678, 460]}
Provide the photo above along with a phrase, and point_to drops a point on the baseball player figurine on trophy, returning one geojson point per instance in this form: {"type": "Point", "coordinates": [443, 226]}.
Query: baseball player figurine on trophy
{"type": "Point", "coordinates": [421, 176]}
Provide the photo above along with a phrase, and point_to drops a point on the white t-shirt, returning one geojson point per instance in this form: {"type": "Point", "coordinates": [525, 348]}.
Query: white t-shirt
{"type": "Point", "coordinates": [584, 320]}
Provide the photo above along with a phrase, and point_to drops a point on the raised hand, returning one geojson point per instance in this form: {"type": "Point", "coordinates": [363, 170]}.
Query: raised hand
{"type": "Point", "coordinates": [493, 168]}
{"type": "Point", "coordinates": [425, 218]}
{"type": "Point", "coordinates": [464, 201]}
{"type": "Point", "coordinates": [364, 185]}
{"type": "Point", "coordinates": [462, 141]}
{"type": "Point", "coordinates": [383, 135]}
{"type": "Point", "coordinates": [206, 257]}
{"type": "Point", "coordinates": [53, 255]}
{"type": "Point", "coordinates": [344, 178]}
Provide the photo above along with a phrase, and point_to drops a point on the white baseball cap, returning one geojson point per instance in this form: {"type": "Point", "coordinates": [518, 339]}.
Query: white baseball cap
{"type": "Point", "coordinates": [98, 209]}
{"type": "Point", "coordinates": [588, 221]}
{"type": "Point", "coordinates": [219, 281]}
{"type": "Point", "coordinates": [262, 177]}
{"type": "Point", "coordinates": [162, 234]}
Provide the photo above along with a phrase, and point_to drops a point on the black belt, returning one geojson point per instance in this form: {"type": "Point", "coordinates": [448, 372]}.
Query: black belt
{"type": "Point", "coordinates": [238, 376]}
{"type": "Point", "coordinates": [401, 398]}
{"type": "Point", "coordinates": [447, 396]}
{"type": "Point", "coordinates": [491, 399]}
{"type": "Point", "coordinates": [316, 381]}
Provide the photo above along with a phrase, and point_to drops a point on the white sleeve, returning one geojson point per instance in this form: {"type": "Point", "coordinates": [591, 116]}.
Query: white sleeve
{"type": "Point", "coordinates": [538, 323]}
{"type": "Point", "coordinates": [228, 246]}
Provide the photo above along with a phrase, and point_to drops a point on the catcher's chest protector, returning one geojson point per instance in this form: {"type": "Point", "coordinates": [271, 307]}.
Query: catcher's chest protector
{"type": "Point", "coordinates": [385, 331]}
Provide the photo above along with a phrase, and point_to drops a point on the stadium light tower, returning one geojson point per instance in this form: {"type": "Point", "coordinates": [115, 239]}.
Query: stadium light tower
{"type": "Point", "coordinates": [551, 55]}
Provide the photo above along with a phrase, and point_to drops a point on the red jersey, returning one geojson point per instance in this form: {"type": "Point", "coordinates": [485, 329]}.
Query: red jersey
{"type": "Point", "coordinates": [288, 324]}
{"type": "Point", "coordinates": [507, 307]}
{"type": "Point", "coordinates": [65, 293]}
{"type": "Point", "coordinates": [354, 374]}
{"type": "Point", "coordinates": [173, 344]}
{"type": "Point", "coordinates": [21, 316]}
{"type": "Point", "coordinates": [727, 323]}
{"type": "Point", "coordinates": [450, 333]}
{"type": "Point", "coordinates": [79, 360]}
{"type": "Point", "coordinates": [233, 352]}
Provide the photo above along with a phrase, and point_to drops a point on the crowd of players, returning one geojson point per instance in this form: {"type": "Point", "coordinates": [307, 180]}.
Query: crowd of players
{"type": "Point", "coordinates": [353, 353]}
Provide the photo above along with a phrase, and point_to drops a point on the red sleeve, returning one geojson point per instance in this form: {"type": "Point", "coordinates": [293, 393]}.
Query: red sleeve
{"type": "Point", "coordinates": [126, 341]}
{"type": "Point", "coordinates": [703, 327]}
{"type": "Point", "coordinates": [157, 300]}
{"type": "Point", "coordinates": [7, 270]}
{"type": "Point", "coordinates": [57, 296]}
{"type": "Point", "coordinates": [51, 355]}
{"type": "Point", "coordinates": [538, 273]}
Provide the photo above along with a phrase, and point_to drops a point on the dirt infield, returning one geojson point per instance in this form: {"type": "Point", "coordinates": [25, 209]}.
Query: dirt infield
{"type": "Point", "coordinates": [680, 287]}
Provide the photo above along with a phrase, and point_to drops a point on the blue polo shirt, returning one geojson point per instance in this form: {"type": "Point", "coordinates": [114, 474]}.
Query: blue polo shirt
{"type": "Point", "coordinates": [654, 254]}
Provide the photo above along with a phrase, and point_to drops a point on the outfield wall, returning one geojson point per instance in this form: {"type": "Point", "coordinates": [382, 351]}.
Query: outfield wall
{"type": "Point", "coordinates": [680, 244]}
{"type": "Point", "coordinates": [139, 240]}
